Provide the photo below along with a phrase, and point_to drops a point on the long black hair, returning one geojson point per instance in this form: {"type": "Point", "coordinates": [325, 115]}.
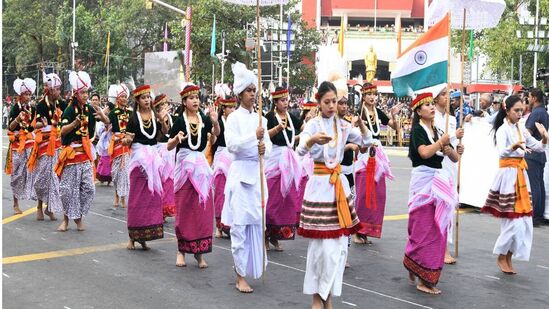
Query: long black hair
{"type": "Point", "coordinates": [502, 113]}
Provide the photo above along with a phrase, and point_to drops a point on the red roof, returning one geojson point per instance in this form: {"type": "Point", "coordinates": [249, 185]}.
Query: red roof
{"type": "Point", "coordinates": [413, 6]}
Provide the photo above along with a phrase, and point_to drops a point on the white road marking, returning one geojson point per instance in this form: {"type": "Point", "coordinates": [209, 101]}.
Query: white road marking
{"type": "Point", "coordinates": [491, 277]}
{"type": "Point", "coordinates": [541, 266]}
{"type": "Point", "coordinates": [5, 275]}
{"type": "Point", "coordinates": [303, 257]}
{"type": "Point", "coordinates": [42, 238]}
{"type": "Point", "coordinates": [120, 232]}
{"type": "Point", "coordinates": [296, 269]}
{"type": "Point", "coordinates": [96, 261]}
{"type": "Point", "coordinates": [348, 303]}
{"type": "Point", "coordinates": [65, 307]}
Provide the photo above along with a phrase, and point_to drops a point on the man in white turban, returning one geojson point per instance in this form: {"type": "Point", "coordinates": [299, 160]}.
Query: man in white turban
{"type": "Point", "coordinates": [21, 141]}
{"type": "Point", "coordinates": [242, 209]}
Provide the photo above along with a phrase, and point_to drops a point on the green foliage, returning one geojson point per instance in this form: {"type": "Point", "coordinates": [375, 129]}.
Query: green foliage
{"type": "Point", "coordinates": [41, 31]}
{"type": "Point", "coordinates": [500, 44]}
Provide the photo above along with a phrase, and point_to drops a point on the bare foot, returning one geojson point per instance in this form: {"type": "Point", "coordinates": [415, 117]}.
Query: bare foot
{"type": "Point", "coordinates": [51, 215]}
{"type": "Point", "coordinates": [242, 286]}
{"type": "Point", "coordinates": [131, 245]}
{"type": "Point", "coordinates": [218, 233]}
{"type": "Point", "coordinates": [448, 258]}
{"type": "Point", "coordinates": [358, 240]}
{"type": "Point", "coordinates": [411, 278]}
{"type": "Point", "coordinates": [276, 244]}
{"type": "Point", "coordinates": [347, 265]}
{"type": "Point", "coordinates": [39, 214]}
{"type": "Point", "coordinates": [267, 245]}
{"type": "Point", "coordinates": [16, 210]}
{"type": "Point", "coordinates": [503, 265]}
{"type": "Point", "coordinates": [509, 259]}
{"type": "Point", "coordinates": [144, 246]}
{"type": "Point", "coordinates": [116, 201]}
{"type": "Point", "coordinates": [366, 241]}
{"type": "Point", "coordinates": [317, 302]}
{"type": "Point", "coordinates": [64, 226]}
{"type": "Point", "coordinates": [123, 202]}
{"type": "Point", "coordinates": [201, 261]}
{"type": "Point", "coordinates": [79, 225]}
{"type": "Point", "coordinates": [180, 260]}
{"type": "Point", "coordinates": [425, 289]}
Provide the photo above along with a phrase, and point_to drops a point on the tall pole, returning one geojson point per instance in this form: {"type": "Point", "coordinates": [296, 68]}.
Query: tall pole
{"type": "Point", "coordinates": [288, 60]}
{"type": "Point", "coordinates": [222, 57]}
{"type": "Point", "coordinates": [260, 116]}
{"type": "Point", "coordinates": [456, 245]}
{"type": "Point", "coordinates": [375, 16]}
{"type": "Point", "coordinates": [280, 48]}
{"type": "Point", "coordinates": [520, 69]}
{"type": "Point", "coordinates": [188, 44]}
{"type": "Point", "coordinates": [213, 82]}
{"type": "Point", "coordinates": [536, 44]}
{"type": "Point", "coordinates": [73, 30]}
{"type": "Point", "coordinates": [512, 70]}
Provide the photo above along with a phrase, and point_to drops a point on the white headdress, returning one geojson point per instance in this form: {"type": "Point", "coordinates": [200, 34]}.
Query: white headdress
{"type": "Point", "coordinates": [222, 91]}
{"type": "Point", "coordinates": [24, 85]}
{"type": "Point", "coordinates": [341, 85]}
{"type": "Point", "coordinates": [79, 80]}
{"type": "Point", "coordinates": [51, 80]}
{"type": "Point", "coordinates": [242, 78]}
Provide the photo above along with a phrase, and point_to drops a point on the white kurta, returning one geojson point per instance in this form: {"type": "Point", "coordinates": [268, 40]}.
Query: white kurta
{"type": "Point", "coordinates": [242, 208]}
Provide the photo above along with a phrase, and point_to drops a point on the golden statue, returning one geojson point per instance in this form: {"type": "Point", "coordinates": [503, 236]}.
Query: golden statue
{"type": "Point", "coordinates": [370, 60]}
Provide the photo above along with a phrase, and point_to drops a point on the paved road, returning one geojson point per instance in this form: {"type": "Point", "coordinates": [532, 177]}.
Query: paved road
{"type": "Point", "coordinates": [43, 268]}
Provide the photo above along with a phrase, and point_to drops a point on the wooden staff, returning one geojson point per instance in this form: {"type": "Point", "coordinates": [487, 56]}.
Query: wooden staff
{"type": "Point", "coordinates": [456, 246]}
{"type": "Point", "coordinates": [260, 113]}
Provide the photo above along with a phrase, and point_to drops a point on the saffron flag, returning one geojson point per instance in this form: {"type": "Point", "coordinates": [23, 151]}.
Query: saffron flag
{"type": "Point", "coordinates": [341, 38]}
{"type": "Point", "coordinates": [108, 49]}
{"type": "Point", "coordinates": [424, 63]}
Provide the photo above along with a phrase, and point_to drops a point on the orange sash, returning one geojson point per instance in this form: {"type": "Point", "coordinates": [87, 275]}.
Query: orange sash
{"type": "Point", "coordinates": [522, 203]}
{"type": "Point", "coordinates": [343, 213]}
{"type": "Point", "coordinates": [38, 149]}
{"type": "Point", "coordinates": [9, 158]}
{"type": "Point", "coordinates": [23, 140]}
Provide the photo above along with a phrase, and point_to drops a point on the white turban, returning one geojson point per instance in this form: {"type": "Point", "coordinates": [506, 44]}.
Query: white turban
{"type": "Point", "coordinates": [222, 91]}
{"type": "Point", "coordinates": [24, 85]}
{"type": "Point", "coordinates": [51, 80]}
{"type": "Point", "coordinates": [242, 78]}
{"type": "Point", "coordinates": [120, 90]}
{"type": "Point", "coordinates": [79, 80]}
{"type": "Point", "coordinates": [435, 90]}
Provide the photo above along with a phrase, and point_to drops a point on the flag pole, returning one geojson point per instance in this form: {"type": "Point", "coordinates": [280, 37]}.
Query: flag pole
{"type": "Point", "coordinates": [456, 247]}
{"type": "Point", "coordinates": [260, 114]}
{"type": "Point", "coordinates": [108, 58]}
{"type": "Point", "coordinates": [448, 69]}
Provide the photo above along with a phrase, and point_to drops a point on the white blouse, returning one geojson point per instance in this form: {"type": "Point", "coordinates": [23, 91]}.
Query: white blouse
{"type": "Point", "coordinates": [346, 134]}
{"type": "Point", "coordinates": [508, 134]}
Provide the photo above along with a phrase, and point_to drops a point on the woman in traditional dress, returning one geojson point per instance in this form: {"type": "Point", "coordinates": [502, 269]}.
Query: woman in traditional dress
{"type": "Point", "coordinates": [21, 142]}
{"type": "Point", "coordinates": [509, 196]}
{"type": "Point", "coordinates": [75, 164]}
{"type": "Point", "coordinates": [192, 179]}
{"type": "Point", "coordinates": [328, 215]}
{"type": "Point", "coordinates": [432, 199]}
{"type": "Point", "coordinates": [161, 106]}
{"type": "Point", "coordinates": [283, 171]}
{"type": "Point", "coordinates": [104, 134]}
{"type": "Point", "coordinates": [119, 154]}
{"type": "Point", "coordinates": [222, 160]}
{"type": "Point", "coordinates": [145, 221]}
{"type": "Point", "coordinates": [47, 148]}
{"type": "Point", "coordinates": [372, 168]}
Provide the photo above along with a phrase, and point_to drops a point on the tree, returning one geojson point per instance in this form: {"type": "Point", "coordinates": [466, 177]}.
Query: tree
{"type": "Point", "coordinates": [35, 32]}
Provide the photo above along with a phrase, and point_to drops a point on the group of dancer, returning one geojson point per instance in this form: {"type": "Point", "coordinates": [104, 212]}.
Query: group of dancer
{"type": "Point", "coordinates": [323, 178]}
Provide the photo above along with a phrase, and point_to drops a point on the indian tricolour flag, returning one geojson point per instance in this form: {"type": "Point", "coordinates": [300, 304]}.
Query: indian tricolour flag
{"type": "Point", "coordinates": [424, 63]}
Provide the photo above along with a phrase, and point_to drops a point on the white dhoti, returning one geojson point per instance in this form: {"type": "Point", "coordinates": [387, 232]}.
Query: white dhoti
{"type": "Point", "coordinates": [246, 245]}
{"type": "Point", "coordinates": [326, 260]}
{"type": "Point", "coordinates": [516, 236]}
